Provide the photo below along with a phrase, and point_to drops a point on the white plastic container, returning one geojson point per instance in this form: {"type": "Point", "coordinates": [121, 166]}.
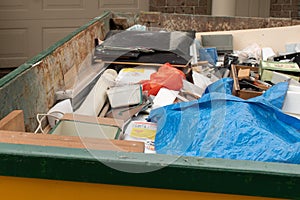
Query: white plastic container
{"type": "Point", "coordinates": [125, 95]}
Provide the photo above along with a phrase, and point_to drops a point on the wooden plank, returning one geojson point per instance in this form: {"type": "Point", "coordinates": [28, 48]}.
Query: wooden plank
{"type": "Point", "coordinates": [14, 121]}
{"type": "Point", "coordinates": [234, 76]}
{"type": "Point", "coordinates": [99, 120]}
{"type": "Point", "coordinates": [70, 142]}
{"type": "Point", "coordinates": [140, 64]}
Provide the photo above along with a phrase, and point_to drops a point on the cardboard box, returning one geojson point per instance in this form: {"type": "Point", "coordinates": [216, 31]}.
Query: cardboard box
{"type": "Point", "coordinates": [237, 91]}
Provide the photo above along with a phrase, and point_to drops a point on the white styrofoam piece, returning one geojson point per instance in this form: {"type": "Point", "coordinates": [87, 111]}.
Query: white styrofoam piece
{"type": "Point", "coordinates": [125, 95]}
{"type": "Point", "coordinates": [190, 87]}
{"type": "Point", "coordinates": [294, 88]}
{"type": "Point", "coordinates": [95, 100]}
{"type": "Point", "coordinates": [291, 103]}
{"type": "Point", "coordinates": [164, 97]}
{"type": "Point", "coordinates": [193, 53]}
{"type": "Point", "coordinates": [58, 110]}
{"type": "Point", "coordinates": [201, 80]}
{"type": "Point", "coordinates": [267, 52]}
{"type": "Point", "coordinates": [280, 77]}
{"type": "Point", "coordinates": [293, 115]}
{"type": "Point", "coordinates": [134, 75]}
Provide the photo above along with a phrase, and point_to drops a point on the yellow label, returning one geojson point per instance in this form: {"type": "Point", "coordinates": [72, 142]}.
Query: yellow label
{"type": "Point", "coordinates": [143, 133]}
{"type": "Point", "coordinates": [133, 70]}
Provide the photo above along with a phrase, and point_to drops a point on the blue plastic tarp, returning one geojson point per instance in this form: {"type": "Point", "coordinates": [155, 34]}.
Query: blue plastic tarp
{"type": "Point", "coordinates": [220, 125]}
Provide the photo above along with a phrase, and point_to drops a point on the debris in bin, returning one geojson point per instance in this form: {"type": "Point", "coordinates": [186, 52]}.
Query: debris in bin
{"type": "Point", "coordinates": [58, 110]}
{"type": "Point", "coordinates": [223, 42]}
{"type": "Point", "coordinates": [291, 101]}
{"type": "Point", "coordinates": [247, 86]}
{"type": "Point", "coordinates": [294, 57]}
{"type": "Point", "coordinates": [142, 131]}
{"type": "Point", "coordinates": [126, 95]}
{"type": "Point", "coordinates": [167, 76]}
{"type": "Point", "coordinates": [137, 27]}
{"type": "Point", "coordinates": [280, 77]}
{"type": "Point", "coordinates": [146, 47]}
{"type": "Point", "coordinates": [243, 132]}
{"type": "Point", "coordinates": [267, 54]}
{"type": "Point", "coordinates": [192, 89]}
{"type": "Point", "coordinates": [164, 97]}
{"type": "Point", "coordinates": [249, 56]}
{"type": "Point", "coordinates": [96, 99]}
{"type": "Point", "coordinates": [134, 75]}
{"type": "Point", "coordinates": [126, 113]}
{"type": "Point", "coordinates": [290, 69]}
{"type": "Point", "coordinates": [230, 59]}
{"type": "Point", "coordinates": [244, 74]}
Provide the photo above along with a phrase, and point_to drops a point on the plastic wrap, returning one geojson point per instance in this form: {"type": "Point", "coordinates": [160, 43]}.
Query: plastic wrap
{"type": "Point", "coordinates": [220, 125]}
{"type": "Point", "coordinates": [166, 77]}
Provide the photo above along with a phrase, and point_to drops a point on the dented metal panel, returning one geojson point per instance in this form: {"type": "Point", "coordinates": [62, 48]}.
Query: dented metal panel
{"type": "Point", "coordinates": [33, 85]}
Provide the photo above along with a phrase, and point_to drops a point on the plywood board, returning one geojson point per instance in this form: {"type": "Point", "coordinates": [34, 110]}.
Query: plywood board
{"type": "Point", "coordinates": [14, 121]}
{"type": "Point", "coordinates": [70, 142]}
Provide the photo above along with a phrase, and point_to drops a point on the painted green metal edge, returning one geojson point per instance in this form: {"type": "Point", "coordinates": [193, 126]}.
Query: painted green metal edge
{"type": "Point", "coordinates": [179, 173]}
{"type": "Point", "coordinates": [28, 64]}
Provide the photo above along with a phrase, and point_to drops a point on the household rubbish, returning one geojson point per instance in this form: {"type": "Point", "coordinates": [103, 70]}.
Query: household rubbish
{"type": "Point", "coordinates": [167, 76]}
{"type": "Point", "coordinates": [290, 69]}
{"type": "Point", "coordinates": [125, 95]}
{"type": "Point", "coordinates": [142, 131]}
{"type": "Point", "coordinates": [164, 97]}
{"type": "Point", "coordinates": [134, 75]}
{"type": "Point", "coordinates": [146, 47]}
{"type": "Point", "coordinates": [96, 99]}
{"type": "Point", "coordinates": [222, 42]}
{"type": "Point", "coordinates": [86, 129]}
{"type": "Point", "coordinates": [291, 102]}
{"type": "Point", "coordinates": [220, 125]}
{"type": "Point", "coordinates": [246, 82]}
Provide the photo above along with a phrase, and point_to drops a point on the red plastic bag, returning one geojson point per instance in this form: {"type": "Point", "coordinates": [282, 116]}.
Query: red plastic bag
{"type": "Point", "coordinates": [167, 76]}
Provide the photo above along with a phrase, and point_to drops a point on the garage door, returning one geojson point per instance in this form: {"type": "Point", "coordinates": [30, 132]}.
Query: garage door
{"type": "Point", "coordinates": [29, 26]}
{"type": "Point", "coordinates": [253, 8]}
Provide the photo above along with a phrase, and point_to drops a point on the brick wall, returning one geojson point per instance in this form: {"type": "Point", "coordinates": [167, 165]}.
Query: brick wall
{"type": "Point", "coordinates": [284, 8]}
{"type": "Point", "coordinates": [205, 23]}
{"type": "Point", "coordinates": [200, 7]}
{"type": "Point", "coordinates": [279, 8]}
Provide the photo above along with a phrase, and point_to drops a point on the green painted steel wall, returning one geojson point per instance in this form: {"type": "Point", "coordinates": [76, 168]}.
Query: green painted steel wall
{"type": "Point", "coordinates": [184, 173]}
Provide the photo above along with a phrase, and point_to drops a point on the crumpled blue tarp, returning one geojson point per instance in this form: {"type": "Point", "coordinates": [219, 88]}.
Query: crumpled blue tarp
{"type": "Point", "coordinates": [220, 125]}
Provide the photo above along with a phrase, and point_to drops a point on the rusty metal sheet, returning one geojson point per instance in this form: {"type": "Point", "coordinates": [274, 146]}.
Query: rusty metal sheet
{"type": "Point", "coordinates": [33, 89]}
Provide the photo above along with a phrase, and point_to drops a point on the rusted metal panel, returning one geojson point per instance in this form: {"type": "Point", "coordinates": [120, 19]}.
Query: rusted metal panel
{"type": "Point", "coordinates": [33, 90]}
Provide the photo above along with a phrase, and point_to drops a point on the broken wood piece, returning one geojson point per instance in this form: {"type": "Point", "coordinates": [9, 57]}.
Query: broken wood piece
{"type": "Point", "coordinates": [14, 121]}
{"type": "Point", "coordinates": [104, 110]}
{"type": "Point", "coordinates": [98, 120]}
{"type": "Point", "coordinates": [139, 63]}
{"type": "Point", "coordinates": [48, 140]}
{"type": "Point", "coordinates": [200, 63]}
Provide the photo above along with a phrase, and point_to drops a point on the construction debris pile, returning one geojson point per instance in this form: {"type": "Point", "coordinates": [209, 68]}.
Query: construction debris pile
{"type": "Point", "coordinates": [182, 95]}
